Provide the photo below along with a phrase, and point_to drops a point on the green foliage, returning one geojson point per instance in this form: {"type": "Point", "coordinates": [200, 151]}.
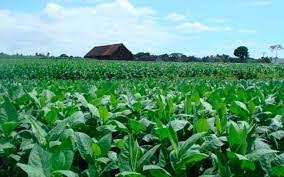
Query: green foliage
{"type": "Point", "coordinates": [76, 69]}
{"type": "Point", "coordinates": [242, 52]}
{"type": "Point", "coordinates": [146, 127]}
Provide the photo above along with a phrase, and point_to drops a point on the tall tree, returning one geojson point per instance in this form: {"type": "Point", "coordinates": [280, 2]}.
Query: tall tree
{"type": "Point", "coordinates": [242, 52]}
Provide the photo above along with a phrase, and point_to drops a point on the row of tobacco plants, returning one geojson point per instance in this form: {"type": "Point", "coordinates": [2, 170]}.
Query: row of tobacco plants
{"type": "Point", "coordinates": [142, 128]}
{"type": "Point", "coordinates": [79, 69]}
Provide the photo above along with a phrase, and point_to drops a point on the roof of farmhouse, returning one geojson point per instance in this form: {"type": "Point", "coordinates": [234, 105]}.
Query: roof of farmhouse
{"type": "Point", "coordinates": [105, 50]}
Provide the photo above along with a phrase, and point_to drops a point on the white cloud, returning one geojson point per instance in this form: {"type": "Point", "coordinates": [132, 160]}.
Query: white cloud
{"type": "Point", "coordinates": [200, 27]}
{"type": "Point", "coordinates": [175, 17]}
{"type": "Point", "coordinates": [195, 26]}
{"type": "Point", "coordinates": [58, 29]}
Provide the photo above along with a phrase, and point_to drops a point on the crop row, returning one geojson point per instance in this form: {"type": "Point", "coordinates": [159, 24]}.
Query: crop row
{"type": "Point", "coordinates": [98, 70]}
{"type": "Point", "coordinates": [142, 128]}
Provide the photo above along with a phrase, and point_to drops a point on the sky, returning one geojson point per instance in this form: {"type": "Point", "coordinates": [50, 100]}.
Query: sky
{"type": "Point", "coordinates": [192, 27]}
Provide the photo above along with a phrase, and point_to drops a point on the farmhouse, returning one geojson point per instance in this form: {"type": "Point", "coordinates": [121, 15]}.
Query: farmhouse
{"type": "Point", "coordinates": [110, 52]}
{"type": "Point", "coordinates": [278, 61]}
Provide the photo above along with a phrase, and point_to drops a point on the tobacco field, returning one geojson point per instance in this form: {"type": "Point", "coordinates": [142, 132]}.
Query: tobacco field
{"type": "Point", "coordinates": [101, 119]}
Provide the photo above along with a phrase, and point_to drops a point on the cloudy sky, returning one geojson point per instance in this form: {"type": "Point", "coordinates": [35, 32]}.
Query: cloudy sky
{"type": "Point", "coordinates": [192, 27]}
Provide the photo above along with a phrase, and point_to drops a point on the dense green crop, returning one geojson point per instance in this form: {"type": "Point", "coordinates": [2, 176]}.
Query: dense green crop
{"type": "Point", "coordinates": [133, 119]}
{"type": "Point", "coordinates": [90, 69]}
{"type": "Point", "coordinates": [141, 128]}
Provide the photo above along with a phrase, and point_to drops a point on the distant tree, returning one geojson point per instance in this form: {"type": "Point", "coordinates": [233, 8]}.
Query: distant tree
{"type": "Point", "coordinates": [41, 55]}
{"type": "Point", "coordinates": [276, 48]}
{"type": "Point", "coordinates": [63, 56]}
{"type": "Point", "coordinates": [3, 54]}
{"type": "Point", "coordinates": [177, 57]}
{"type": "Point", "coordinates": [242, 52]}
{"type": "Point", "coordinates": [145, 56]}
{"type": "Point", "coordinates": [192, 58]}
{"type": "Point", "coordinates": [205, 59]}
{"type": "Point", "coordinates": [222, 58]}
{"type": "Point", "coordinates": [164, 57]}
{"type": "Point", "coordinates": [265, 59]}
{"type": "Point", "coordinates": [142, 56]}
{"type": "Point", "coordinates": [48, 54]}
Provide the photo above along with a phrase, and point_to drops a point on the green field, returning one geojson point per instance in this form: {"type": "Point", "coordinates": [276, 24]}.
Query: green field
{"type": "Point", "coordinates": [138, 119]}
{"type": "Point", "coordinates": [79, 69]}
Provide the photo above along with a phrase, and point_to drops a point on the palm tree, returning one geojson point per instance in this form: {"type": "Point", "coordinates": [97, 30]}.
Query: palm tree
{"type": "Point", "coordinates": [276, 48]}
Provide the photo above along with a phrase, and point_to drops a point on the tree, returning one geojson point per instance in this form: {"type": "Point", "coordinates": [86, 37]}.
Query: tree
{"type": "Point", "coordinates": [265, 59]}
{"type": "Point", "coordinates": [242, 52]}
{"type": "Point", "coordinates": [276, 48]}
{"type": "Point", "coordinates": [63, 56]}
{"type": "Point", "coordinates": [142, 56]}
{"type": "Point", "coordinates": [177, 57]}
{"type": "Point", "coordinates": [164, 57]}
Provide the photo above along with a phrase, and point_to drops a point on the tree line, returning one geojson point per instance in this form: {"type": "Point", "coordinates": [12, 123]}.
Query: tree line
{"type": "Point", "coordinates": [241, 56]}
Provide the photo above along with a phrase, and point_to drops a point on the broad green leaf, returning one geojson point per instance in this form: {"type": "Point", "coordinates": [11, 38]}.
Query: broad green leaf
{"type": "Point", "coordinates": [208, 107]}
{"type": "Point", "coordinates": [201, 125]}
{"type": "Point", "coordinates": [278, 134]}
{"type": "Point", "coordinates": [8, 127]}
{"type": "Point", "coordinates": [96, 149]}
{"type": "Point", "coordinates": [278, 170]}
{"type": "Point", "coordinates": [39, 164]}
{"type": "Point", "coordinates": [212, 144]}
{"type": "Point", "coordinates": [234, 134]}
{"type": "Point", "coordinates": [257, 154]}
{"type": "Point", "coordinates": [136, 126]}
{"type": "Point", "coordinates": [32, 171]}
{"type": "Point", "coordinates": [146, 157]}
{"type": "Point", "coordinates": [162, 133]}
{"type": "Point", "coordinates": [242, 105]}
{"type": "Point", "coordinates": [38, 131]}
{"type": "Point", "coordinates": [9, 120]}
{"type": "Point", "coordinates": [51, 117]}
{"type": "Point", "coordinates": [189, 142]}
{"type": "Point", "coordinates": [95, 112]}
{"type": "Point", "coordinates": [129, 174]}
{"type": "Point", "coordinates": [156, 171]}
{"type": "Point", "coordinates": [104, 114]}
{"type": "Point", "coordinates": [240, 109]}
{"type": "Point", "coordinates": [56, 132]}
{"type": "Point", "coordinates": [280, 158]}
{"type": "Point", "coordinates": [218, 125]}
{"type": "Point", "coordinates": [34, 97]}
{"type": "Point", "coordinates": [191, 159]}
{"type": "Point", "coordinates": [66, 173]}
{"type": "Point", "coordinates": [61, 160]}
{"type": "Point", "coordinates": [105, 143]}
{"type": "Point", "coordinates": [84, 145]}
{"type": "Point", "coordinates": [10, 110]}
{"type": "Point", "coordinates": [178, 124]}
{"type": "Point", "coordinates": [245, 163]}
{"type": "Point", "coordinates": [195, 97]}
